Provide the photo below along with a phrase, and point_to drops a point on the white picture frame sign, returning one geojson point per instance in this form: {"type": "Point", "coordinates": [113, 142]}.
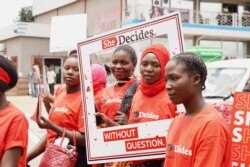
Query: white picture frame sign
{"type": "Point", "coordinates": [135, 141]}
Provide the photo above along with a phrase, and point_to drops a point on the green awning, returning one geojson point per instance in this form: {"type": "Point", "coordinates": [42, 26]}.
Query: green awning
{"type": "Point", "coordinates": [208, 54]}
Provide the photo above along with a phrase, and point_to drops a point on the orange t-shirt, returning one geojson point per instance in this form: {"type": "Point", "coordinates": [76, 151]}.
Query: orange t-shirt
{"type": "Point", "coordinates": [202, 140]}
{"type": "Point", "coordinates": [112, 98]}
{"type": "Point", "coordinates": [60, 89]}
{"type": "Point", "coordinates": [151, 108]}
{"type": "Point", "coordinates": [66, 111]}
{"type": "Point", "coordinates": [14, 132]}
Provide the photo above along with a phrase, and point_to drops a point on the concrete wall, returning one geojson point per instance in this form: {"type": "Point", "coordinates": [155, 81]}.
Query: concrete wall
{"type": "Point", "coordinates": [103, 16]}
{"type": "Point", "coordinates": [44, 6]}
{"type": "Point", "coordinates": [46, 17]}
{"type": "Point", "coordinates": [33, 46]}
{"type": "Point", "coordinates": [27, 48]}
{"type": "Point", "coordinates": [71, 9]}
{"type": "Point", "coordinates": [13, 48]}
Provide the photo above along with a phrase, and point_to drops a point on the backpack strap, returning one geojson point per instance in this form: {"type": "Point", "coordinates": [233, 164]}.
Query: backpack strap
{"type": "Point", "coordinates": [128, 97]}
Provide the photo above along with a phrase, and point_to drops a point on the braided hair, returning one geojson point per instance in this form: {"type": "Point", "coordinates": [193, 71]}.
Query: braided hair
{"type": "Point", "coordinates": [10, 69]}
{"type": "Point", "coordinates": [194, 65]}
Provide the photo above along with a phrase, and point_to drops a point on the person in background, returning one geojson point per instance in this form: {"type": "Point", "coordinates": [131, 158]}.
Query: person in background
{"type": "Point", "coordinates": [65, 112]}
{"type": "Point", "coordinates": [198, 137]}
{"type": "Point", "coordinates": [156, 12]}
{"type": "Point", "coordinates": [51, 77]}
{"type": "Point", "coordinates": [99, 77]}
{"type": "Point", "coordinates": [35, 79]}
{"type": "Point", "coordinates": [123, 63]}
{"type": "Point", "coordinates": [13, 123]}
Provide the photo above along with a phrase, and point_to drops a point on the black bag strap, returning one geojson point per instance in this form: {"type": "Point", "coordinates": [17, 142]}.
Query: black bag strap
{"type": "Point", "coordinates": [128, 97]}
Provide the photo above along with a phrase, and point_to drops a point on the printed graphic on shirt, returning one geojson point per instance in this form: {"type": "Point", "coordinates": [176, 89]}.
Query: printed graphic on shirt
{"type": "Point", "coordinates": [114, 100]}
{"type": "Point", "coordinates": [149, 115]}
{"type": "Point", "coordinates": [60, 109]}
{"type": "Point", "coordinates": [179, 149]}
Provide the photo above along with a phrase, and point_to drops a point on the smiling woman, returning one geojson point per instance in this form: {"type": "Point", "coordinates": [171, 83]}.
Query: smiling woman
{"type": "Point", "coordinates": [123, 62]}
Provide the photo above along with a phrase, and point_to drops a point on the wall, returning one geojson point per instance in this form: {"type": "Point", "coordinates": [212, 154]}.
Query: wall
{"type": "Point", "coordinates": [46, 17]}
{"type": "Point", "coordinates": [103, 16]}
{"type": "Point", "coordinates": [73, 8]}
{"type": "Point", "coordinates": [44, 6]}
{"type": "Point", "coordinates": [13, 48]}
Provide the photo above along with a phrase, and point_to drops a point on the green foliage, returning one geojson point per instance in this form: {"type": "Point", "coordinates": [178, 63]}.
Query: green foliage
{"type": "Point", "coordinates": [25, 15]}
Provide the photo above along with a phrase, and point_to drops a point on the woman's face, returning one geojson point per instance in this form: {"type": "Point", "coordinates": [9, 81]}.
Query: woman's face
{"type": "Point", "coordinates": [179, 83]}
{"type": "Point", "coordinates": [70, 72]}
{"type": "Point", "coordinates": [150, 68]}
{"type": "Point", "coordinates": [122, 66]}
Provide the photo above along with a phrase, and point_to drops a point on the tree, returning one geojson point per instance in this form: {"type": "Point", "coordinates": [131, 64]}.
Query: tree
{"type": "Point", "coordinates": [25, 15]}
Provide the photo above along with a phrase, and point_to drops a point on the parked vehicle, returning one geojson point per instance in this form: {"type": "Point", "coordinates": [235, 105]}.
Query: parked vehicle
{"type": "Point", "coordinates": [225, 77]}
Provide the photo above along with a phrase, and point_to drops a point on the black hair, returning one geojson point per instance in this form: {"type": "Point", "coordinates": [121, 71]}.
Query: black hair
{"type": "Point", "coordinates": [73, 53]}
{"type": "Point", "coordinates": [194, 65]}
{"type": "Point", "coordinates": [130, 50]}
{"type": "Point", "coordinates": [107, 69]}
{"type": "Point", "coordinates": [10, 69]}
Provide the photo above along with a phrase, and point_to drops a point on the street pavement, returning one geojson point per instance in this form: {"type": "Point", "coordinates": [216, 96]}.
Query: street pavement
{"type": "Point", "coordinates": [28, 104]}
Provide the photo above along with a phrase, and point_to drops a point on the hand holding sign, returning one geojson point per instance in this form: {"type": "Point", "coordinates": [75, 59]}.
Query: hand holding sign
{"type": "Point", "coordinates": [37, 114]}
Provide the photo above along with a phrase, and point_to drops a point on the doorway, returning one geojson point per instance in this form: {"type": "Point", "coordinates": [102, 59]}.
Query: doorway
{"type": "Point", "coordinates": [57, 64]}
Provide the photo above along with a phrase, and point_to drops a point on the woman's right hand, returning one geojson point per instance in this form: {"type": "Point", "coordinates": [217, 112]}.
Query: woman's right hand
{"type": "Point", "coordinates": [48, 98]}
{"type": "Point", "coordinates": [104, 121]}
{"type": "Point", "coordinates": [44, 123]}
{"type": "Point", "coordinates": [121, 118]}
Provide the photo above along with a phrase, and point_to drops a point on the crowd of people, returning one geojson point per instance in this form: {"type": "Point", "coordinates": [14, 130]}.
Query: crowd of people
{"type": "Point", "coordinates": [165, 82]}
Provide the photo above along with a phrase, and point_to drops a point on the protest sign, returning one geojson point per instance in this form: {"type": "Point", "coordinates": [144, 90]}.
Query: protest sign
{"type": "Point", "coordinates": [67, 31]}
{"type": "Point", "coordinates": [240, 130]}
{"type": "Point", "coordinates": [135, 141]}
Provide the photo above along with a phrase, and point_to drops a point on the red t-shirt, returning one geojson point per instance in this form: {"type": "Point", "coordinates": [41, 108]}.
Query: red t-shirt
{"type": "Point", "coordinates": [112, 98]}
{"type": "Point", "coordinates": [200, 141]}
{"type": "Point", "coordinates": [67, 112]}
{"type": "Point", "coordinates": [14, 132]}
{"type": "Point", "coordinates": [60, 89]}
{"type": "Point", "coordinates": [151, 108]}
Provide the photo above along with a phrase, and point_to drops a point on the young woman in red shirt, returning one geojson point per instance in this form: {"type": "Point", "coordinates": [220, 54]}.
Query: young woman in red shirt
{"type": "Point", "coordinates": [13, 123]}
{"type": "Point", "coordinates": [200, 136]}
{"type": "Point", "coordinates": [66, 112]}
{"type": "Point", "coordinates": [123, 63]}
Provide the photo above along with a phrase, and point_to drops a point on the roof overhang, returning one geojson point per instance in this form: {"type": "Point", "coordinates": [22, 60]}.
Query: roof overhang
{"type": "Point", "coordinates": [43, 6]}
{"type": "Point", "coordinates": [25, 29]}
{"type": "Point", "coordinates": [216, 32]}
